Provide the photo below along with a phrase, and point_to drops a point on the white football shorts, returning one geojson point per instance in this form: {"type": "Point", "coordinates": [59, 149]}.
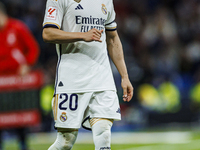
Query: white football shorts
{"type": "Point", "coordinates": [73, 110]}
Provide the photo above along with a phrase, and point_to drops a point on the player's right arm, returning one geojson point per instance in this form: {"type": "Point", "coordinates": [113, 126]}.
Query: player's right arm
{"type": "Point", "coordinates": [54, 35]}
{"type": "Point", "coordinates": [55, 10]}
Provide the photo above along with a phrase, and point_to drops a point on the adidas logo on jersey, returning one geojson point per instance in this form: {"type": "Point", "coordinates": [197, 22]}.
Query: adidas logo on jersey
{"type": "Point", "coordinates": [60, 84]}
{"type": "Point", "coordinates": [79, 7]}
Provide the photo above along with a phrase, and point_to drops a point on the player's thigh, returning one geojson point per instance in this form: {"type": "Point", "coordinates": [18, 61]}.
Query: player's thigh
{"type": "Point", "coordinates": [68, 109]}
{"type": "Point", "coordinates": [105, 104]}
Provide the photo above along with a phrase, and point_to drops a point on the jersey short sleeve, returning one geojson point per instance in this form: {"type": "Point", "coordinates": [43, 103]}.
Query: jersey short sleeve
{"type": "Point", "coordinates": [110, 24]}
{"type": "Point", "coordinates": [54, 13]}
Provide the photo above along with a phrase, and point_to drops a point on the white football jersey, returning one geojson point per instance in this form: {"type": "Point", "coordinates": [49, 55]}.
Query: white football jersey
{"type": "Point", "coordinates": [82, 66]}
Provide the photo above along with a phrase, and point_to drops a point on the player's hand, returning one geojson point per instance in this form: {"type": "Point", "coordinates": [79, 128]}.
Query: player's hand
{"type": "Point", "coordinates": [127, 89]}
{"type": "Point", "coordinates": [93, 35]}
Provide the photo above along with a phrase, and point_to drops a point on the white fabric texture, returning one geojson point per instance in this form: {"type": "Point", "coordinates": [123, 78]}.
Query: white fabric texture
{"type": "Point", "coordinates": [70, 110]}
{"type": "Point", "coordinates": [82, 66]}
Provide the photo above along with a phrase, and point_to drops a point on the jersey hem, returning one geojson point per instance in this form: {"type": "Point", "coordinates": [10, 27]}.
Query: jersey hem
{"type": "Point", "coordinates": [82, 91]}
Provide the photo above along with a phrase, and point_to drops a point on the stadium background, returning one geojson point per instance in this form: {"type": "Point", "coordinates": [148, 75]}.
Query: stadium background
{"type": "Point", "coordinates": [161, 41]}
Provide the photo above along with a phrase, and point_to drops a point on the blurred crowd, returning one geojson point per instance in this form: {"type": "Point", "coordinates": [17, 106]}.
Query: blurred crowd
{"type": "Point", "coordinates": [161, 41]}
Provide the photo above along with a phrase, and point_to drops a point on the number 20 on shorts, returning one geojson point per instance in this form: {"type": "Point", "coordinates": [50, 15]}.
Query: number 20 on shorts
{"type": "Point", "coordinates": [73, 101]}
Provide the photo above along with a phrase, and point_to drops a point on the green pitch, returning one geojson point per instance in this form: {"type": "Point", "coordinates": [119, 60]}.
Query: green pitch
{"type": "Point", "coordinates": [193, 143]}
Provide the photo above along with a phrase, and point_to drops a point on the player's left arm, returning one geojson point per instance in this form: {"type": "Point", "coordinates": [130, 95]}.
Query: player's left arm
{"type": "Point", "coordinates": [115, 50]}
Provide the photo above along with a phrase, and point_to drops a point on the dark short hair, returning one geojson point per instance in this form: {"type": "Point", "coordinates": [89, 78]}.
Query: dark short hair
{"type": "Point", "coordinates": [2, 8]}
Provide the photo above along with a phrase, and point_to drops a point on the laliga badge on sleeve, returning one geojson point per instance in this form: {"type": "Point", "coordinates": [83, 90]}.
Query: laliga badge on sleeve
{"type": "Point", "coordinates": [78, 1]}
{"type": "Point", "coordinates": [63, 117]}
{"type": "Point", "coordinates": [52, 12]}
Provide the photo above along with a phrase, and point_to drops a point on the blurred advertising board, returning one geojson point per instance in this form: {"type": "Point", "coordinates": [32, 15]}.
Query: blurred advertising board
{"type": "Point", "coordinates": [19, 100]}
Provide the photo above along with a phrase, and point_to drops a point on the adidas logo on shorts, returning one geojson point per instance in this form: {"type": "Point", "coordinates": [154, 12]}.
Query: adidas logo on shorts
{"type": "Point", "coordinates": [118, 111]}
{"type": "Point", "coordinates": [79, 7]}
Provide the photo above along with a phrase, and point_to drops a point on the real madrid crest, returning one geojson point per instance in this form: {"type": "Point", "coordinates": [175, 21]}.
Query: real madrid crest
{"type": "Point", "coordinates": [77, 1]}
{"type": "Point", "coordinates": [104, 9]}
{"type": "Point", "coordinates": [63, 117]}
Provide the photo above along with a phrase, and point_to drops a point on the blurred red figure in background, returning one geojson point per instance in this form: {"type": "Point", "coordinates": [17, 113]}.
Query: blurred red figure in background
{"type": "Point", "coordinates": [18, 47]}
{"type": "Point", "coordinates": [18, 52]}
